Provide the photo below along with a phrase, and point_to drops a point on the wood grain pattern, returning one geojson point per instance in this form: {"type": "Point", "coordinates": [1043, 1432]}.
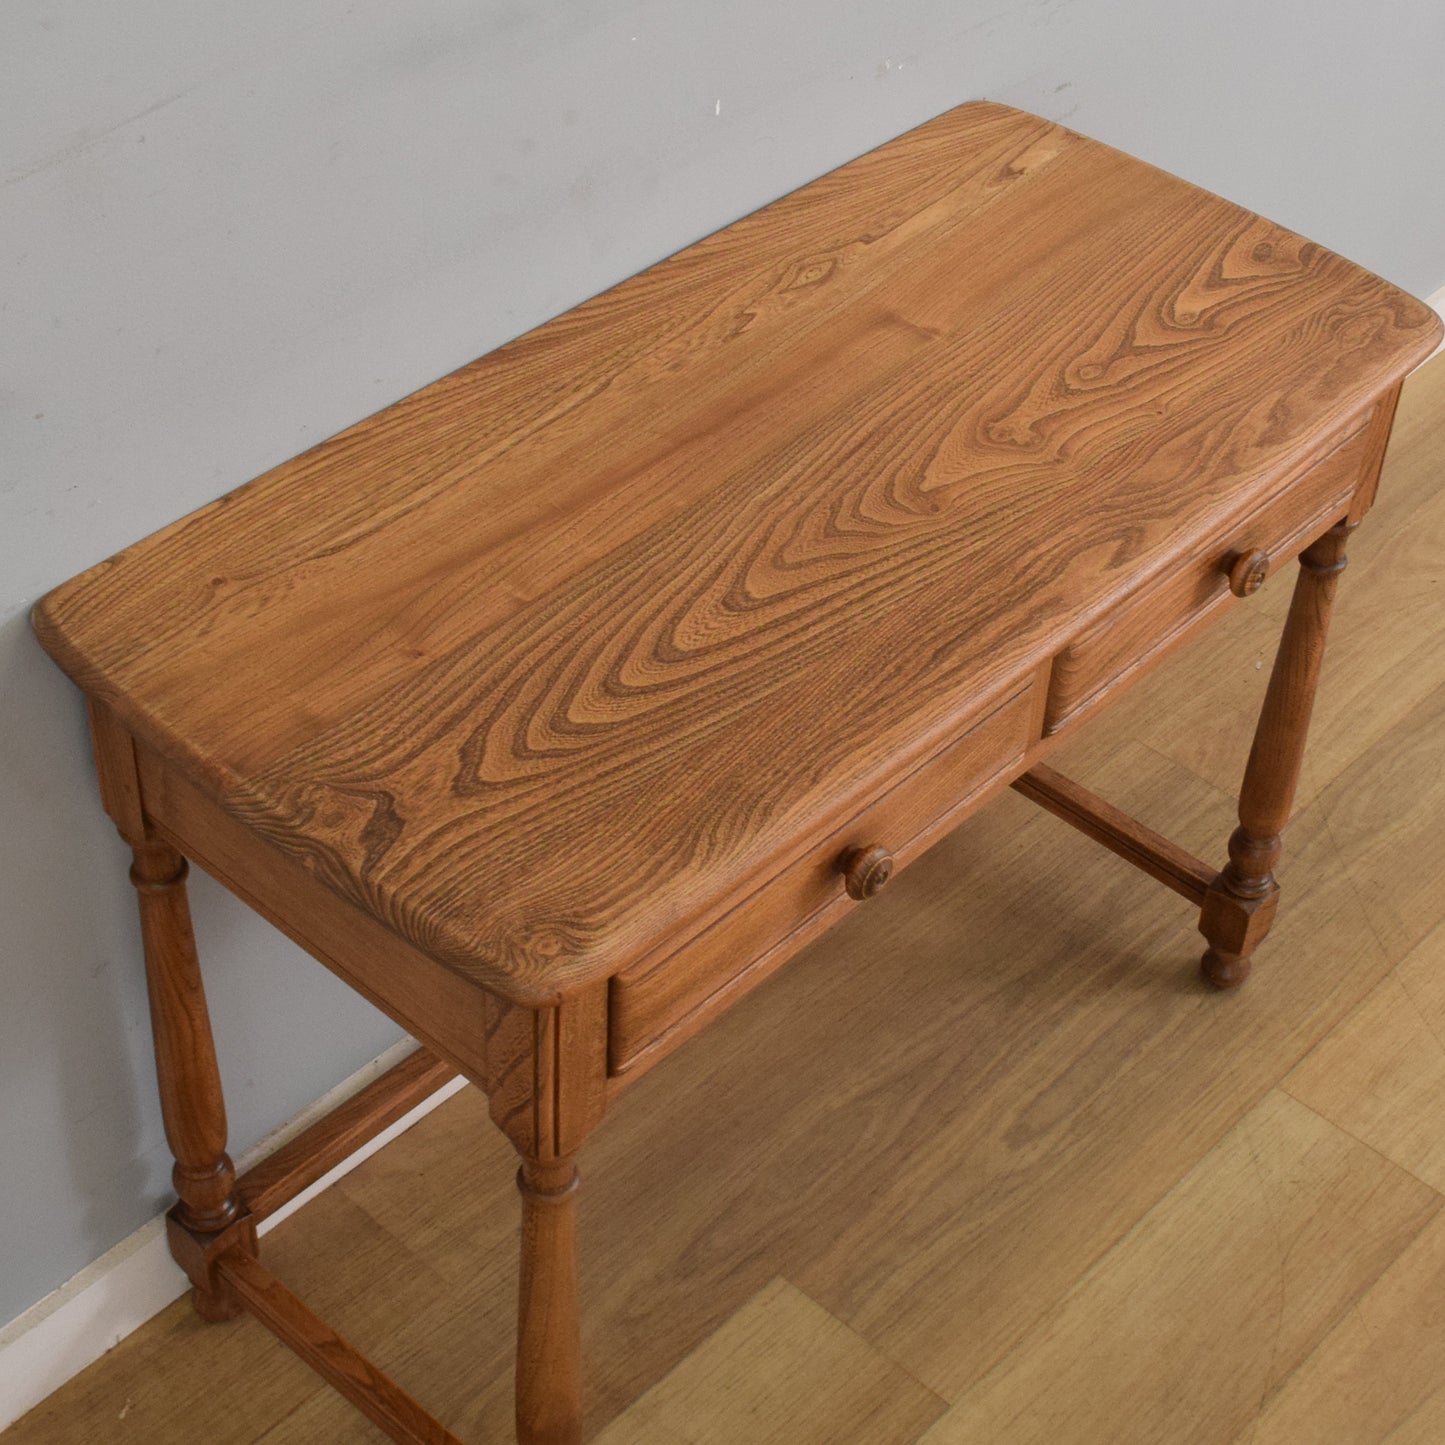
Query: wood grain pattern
{"type": "Point", "coordinates": [467, 467]}
{"type": "Point", "coordinates": [1377, 1377]}
{"type": "Point", "coordinates": [770, 924]}
{"type": "Point", "coordinates": [1382, 422]}
{"type": "Point", "coordinates": [865, 870]}
{"type": "Point", "coordinates": [1123, 644]}
{"type": "Point", "coordinates": [992, 351]}
{"type": "Point", "coordinates": [957, 1239]}
{"type": "Point", "coordinates": [546, 1075]}
{"type": "Point", "coordinates": [1378, 670]}
{"type": "Point", "coordinates": [1230, 1257]}
{"type": "Point", "coordinates": [1246, 572]}
{"type": "Point", "coordinates": [1381, 1074]}
{"type": "Point", "coordinates": [549, 1321]}
{"type": "Point", "coordinates": [1389, 814]}
{"type": "Point", "coordinates": [781, 1371]}
{"type": "Point", "coordinates": [115, 771]}
{"type": "Point", "coordinates": [518, 709]}
{"type": "Point", "coordinates": [445, 1012]}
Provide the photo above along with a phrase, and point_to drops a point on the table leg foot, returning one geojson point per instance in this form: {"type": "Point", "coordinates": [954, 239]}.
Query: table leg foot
{"type": "Point", "coordinates": [1239, 908]}
{"type": "Point", "coordinates": [1223, 970]}
{"type": "Point", "coordinates": [215, 1308]}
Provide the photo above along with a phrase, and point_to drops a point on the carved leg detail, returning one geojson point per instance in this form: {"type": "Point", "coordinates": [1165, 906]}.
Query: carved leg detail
{"type": "Point", "coordinates": [546, 1082]}
{"type": "Point", "coordinates": [549, 1332]}
{"type": "Point", "coordinates": [207, 1216]}
{"type": "Point", "coordinates": [1240, 904]}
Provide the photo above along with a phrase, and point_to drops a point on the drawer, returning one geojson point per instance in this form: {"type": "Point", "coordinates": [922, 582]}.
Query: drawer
{"type": "Point", "coordinates": [1135, 634]}
{"type": "Point", "coordinates": [653, 996]}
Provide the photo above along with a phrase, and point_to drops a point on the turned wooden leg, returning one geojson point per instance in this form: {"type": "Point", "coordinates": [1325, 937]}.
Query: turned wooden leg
{"type": "Point", "coordinates": [546, 1081]}
{"type": "Point", "coordinates": [549, 1332]}
{"type": "Point", "coordinates": [207, 1216]}
{"type": "Point", "coordinates": [1240, 904]}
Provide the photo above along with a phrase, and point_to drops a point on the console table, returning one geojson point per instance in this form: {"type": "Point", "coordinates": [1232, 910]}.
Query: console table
{"type": "Point", "coordinates": [557, 705]}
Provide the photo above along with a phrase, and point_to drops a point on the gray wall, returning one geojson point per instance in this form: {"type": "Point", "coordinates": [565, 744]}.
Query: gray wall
{"type": "Point", "coordinates": [229, 230]}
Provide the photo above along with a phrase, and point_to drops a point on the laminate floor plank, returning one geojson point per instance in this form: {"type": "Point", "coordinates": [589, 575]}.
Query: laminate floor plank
{"type": "Point", "coordinates": [1380, 1074]}
{"type": "Point", "coordinates": [1377, 1377]}
{"type": "Point", "coordinates": [177, 1380]}
{"type": "Point", "coordinates": [1385, 815]}
{"type": "Point", "coordinates": [1193, 1320]}
{"type": "Point", "coordinates": [781, 1371]}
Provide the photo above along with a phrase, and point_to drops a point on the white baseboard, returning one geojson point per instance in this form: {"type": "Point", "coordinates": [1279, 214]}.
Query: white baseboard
{"type": "Point", "coordinates": [58, 1336]}
{"type": "Point", "coordinates": [1436, 301]}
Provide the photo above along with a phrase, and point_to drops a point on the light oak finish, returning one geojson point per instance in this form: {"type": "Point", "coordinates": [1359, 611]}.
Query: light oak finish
{"type": "Point", "coordinates": [557, 706]}
{"type": "Point", "coordinates": [1381, 1075]}
{"type": "Point", "coordinates": [1084, 1076]}
{"type": "Point", "coordinates": [779, 1371]}
{"type": "Point", "coordinates": [1235, 1248]}
{"type": "Point", "coordinates": [1378, 1375]}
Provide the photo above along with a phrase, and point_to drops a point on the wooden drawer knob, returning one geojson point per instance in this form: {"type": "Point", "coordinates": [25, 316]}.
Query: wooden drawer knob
{"type": "Point", "coordinates": [865, 871]}
{"type": "Point", "coordinates": [1247, 571]}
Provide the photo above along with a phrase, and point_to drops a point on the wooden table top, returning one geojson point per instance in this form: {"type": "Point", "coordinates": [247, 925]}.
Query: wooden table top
{"type": "Point", "coordinates": [544, 660]}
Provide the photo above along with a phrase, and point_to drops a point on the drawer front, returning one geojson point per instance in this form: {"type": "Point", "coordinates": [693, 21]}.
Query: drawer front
{"type": "Point", "coordinates": [651, 998]}
{"type": "Point", "coordinates": [1126, 642]}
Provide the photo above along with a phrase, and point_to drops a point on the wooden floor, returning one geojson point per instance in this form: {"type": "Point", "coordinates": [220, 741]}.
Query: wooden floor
{"type": "Point", "coordinates": [1066, 1195]}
